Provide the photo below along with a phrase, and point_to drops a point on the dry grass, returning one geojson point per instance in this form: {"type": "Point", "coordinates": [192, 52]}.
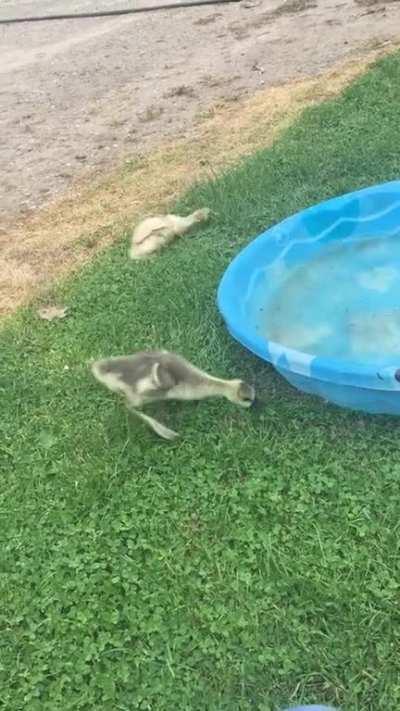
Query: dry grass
{"type": "Point", "coordinates": [61, 237]}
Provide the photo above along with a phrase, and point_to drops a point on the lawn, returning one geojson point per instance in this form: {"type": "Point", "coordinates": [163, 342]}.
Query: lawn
{"type": "Point", "coordinates": [254, 562]}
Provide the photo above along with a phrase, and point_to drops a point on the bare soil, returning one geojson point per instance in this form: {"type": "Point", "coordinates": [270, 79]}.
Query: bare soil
{"type": "Point", "coordinates": [140, 100]}
{"type": "Point", "coordinates": [84, 94]}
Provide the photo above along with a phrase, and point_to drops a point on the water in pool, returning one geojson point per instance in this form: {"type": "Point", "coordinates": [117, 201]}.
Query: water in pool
{"type": "Point", "coordinates": [344, 303]}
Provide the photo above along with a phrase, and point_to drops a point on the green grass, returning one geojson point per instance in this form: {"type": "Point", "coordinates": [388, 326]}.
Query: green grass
{"type": "Point", "coordinates": [256, 561]}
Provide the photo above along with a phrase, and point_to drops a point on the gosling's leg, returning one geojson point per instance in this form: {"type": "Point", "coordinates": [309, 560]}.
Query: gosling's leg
{"type": "Point", "coordinates": [156, 426]}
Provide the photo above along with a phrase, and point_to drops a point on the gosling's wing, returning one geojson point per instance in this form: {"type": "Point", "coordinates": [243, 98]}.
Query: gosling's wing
{"type": "Point", "coordinates": [129, 369]}
{"type": "Point", "coordinates": [152, 243]}
{"type": "Point", "coordinates": [148, 227]}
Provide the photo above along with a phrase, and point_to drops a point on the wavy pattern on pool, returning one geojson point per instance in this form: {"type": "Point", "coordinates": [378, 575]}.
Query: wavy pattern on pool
{"type": "Point", "coordinates": [318, 296]}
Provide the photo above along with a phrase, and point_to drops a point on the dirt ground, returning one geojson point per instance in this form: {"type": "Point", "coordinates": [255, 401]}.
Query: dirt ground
{"type": "Point", "coordinates": [84, 99]}
{"type": "Point", "coordinates": [84, 94]}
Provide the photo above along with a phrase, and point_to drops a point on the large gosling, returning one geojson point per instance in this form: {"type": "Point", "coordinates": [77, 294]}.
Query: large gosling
{"type": "Point", "coordinates": [150, 376]}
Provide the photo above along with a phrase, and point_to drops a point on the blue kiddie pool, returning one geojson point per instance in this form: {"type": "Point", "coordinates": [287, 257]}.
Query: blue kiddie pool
{"type": "Point", "coordinates": [318, 296]}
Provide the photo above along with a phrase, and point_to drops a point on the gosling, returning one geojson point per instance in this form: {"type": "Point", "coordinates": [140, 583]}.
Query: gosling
{"type": "Point", "coordinates": [150, 376]}
{"type": "Point", "coordinates": [154, 233]}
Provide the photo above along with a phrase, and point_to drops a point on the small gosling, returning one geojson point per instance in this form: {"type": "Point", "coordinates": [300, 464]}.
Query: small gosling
{"type": "Point", "coordinates": [150, 376]}
{"type": "Point", "coordinates": [154, 233]}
